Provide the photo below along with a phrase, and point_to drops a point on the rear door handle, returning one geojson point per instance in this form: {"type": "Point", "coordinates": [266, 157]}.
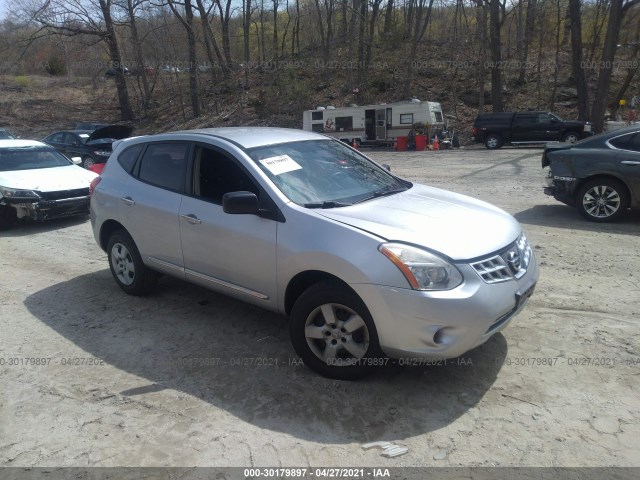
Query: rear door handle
{"type": "Point", "coordinates": [191, 218]}
{"type": "Point", "coordinates": [630, 162]}
{"type": "Point", "coordinates": [128, 200]}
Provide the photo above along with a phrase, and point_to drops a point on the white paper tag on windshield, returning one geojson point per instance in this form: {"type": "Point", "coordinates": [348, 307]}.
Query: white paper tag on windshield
{"type": "Point", "coordinates": [280, 164]}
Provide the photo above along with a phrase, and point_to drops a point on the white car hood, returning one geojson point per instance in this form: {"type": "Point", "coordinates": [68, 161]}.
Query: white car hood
{"type": "Point", "coordinates": [48, 179]}
{"type": "Point", "coordinates": [455, 225]}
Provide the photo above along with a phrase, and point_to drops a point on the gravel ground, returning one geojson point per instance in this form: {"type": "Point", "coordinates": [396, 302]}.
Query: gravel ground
{"type": "Point", "coordinates": [92, 377]}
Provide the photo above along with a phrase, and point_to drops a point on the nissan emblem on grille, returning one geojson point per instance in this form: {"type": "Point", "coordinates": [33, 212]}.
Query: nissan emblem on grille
{"type": "Point", "coordinates": [512, 257]}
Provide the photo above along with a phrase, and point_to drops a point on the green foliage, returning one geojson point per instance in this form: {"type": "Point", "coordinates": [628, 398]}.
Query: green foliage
{"type": "Point", "coordinates": [22, 81]}
{"type": "Point", "coordinates": [55, 65]}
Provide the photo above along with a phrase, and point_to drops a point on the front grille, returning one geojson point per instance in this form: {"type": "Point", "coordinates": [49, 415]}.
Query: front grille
{"type": "Point", "coordinates": [62, 194]}
{"type": "Point", "coordinates": [493, 270]}
{"type": "Point", "coordinates": [509, 264]}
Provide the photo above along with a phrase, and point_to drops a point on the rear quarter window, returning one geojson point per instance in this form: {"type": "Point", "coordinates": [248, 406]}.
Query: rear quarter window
{"type": "Point", "coordinates": [127, 159]}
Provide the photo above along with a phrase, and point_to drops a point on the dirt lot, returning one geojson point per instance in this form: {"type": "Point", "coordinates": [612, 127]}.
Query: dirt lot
{"type": "Point", "coordinates": [121, 381]}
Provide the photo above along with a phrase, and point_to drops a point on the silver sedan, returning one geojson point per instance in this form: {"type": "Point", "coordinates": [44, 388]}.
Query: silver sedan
{"type": "Point", "coordinates": [366, 265]}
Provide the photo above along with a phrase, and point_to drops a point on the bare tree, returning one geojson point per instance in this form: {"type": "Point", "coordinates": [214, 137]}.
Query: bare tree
{"type": "Point", "coordinates": [616, 13]}
{"type": "Point", "coordinates": [577, 59]}
{"type": "Point", "coordinates": [421, 22]}
{"type": "Point", "coordinates": [187, 23]}
{"type": "Point", "coordinates": [75, 17]}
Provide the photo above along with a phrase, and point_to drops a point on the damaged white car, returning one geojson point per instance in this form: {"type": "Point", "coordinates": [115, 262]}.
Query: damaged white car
{"type": "Point", "coordinates": [39, 183]}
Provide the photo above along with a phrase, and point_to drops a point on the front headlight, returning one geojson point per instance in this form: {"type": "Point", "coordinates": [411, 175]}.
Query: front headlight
{"type": "Point", "coordinates": [17, 194]}
{"type": "Point", "coordinates": [423, 270]}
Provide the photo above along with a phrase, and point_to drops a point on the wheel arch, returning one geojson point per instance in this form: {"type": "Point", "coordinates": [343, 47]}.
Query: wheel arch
{"type": "Point", "coordinates": [107, 229]}
{"type": "Point", "coordinates": [303, 280]}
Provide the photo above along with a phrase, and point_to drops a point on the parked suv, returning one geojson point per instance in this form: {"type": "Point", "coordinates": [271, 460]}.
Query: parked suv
{"type": "Point", "coordinates": [365, 264]}
{"type": "Point", "coordinates": [497, 129]}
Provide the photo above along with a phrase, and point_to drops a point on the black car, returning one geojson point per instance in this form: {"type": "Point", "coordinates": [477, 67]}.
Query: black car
{"type": "Point", "coordinates": [91, 146]}
{"type": "Point", "coordinates": [599, 175]}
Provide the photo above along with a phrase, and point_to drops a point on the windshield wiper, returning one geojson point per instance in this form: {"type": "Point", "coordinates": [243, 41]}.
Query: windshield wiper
{"type": "Point", "coordinates": [327, 204]}
{"type": "Point", "coordinates": [382, 193]}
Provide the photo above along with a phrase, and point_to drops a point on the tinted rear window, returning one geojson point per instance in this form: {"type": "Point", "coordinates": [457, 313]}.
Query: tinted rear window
{"type": "Point", "coordinates": [164, 165]}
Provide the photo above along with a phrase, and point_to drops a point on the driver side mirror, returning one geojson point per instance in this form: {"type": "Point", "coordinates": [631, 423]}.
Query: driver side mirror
{"type": "Point", "coordinates": [386, 166]}
{"type": "Point", "coordinates": [240, 203]}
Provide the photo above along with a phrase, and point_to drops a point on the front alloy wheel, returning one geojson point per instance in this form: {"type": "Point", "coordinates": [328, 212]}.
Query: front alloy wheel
{"type": "Point", "coordinates": [336, 334]}
{"type": "Point", "coordinates": [333, 332]}
{"type": "Point", "coordinates": [603, 200]}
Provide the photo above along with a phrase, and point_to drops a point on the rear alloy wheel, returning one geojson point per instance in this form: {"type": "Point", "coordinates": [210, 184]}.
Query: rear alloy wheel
{"type": "Point", "coordinates": [126, 265]}
{"type": "Point", "coordinates": [603, 200]}
{"type": "Point", "coordinates": [332, 331]}
{"type": "Point", "coordinates": [87, 162]}
{"type": "Point", "coordinates": [571, 137]}
{"type": "Point", "coordinates": [493, 141]}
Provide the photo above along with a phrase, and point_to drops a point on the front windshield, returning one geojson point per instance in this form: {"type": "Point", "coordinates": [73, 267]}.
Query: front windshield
{"type": "Point", "coordinates": [30, 158]}
{"type": "Point", "coordinates": [324, 173]}
{"type": "Point", "coordinates": [5, 134]}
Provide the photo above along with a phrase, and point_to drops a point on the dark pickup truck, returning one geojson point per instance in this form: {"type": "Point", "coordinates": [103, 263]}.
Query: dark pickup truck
{"type": "Point", "coordinates": [496, 129]}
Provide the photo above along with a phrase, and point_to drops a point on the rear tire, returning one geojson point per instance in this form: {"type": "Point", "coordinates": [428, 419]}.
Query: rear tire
{"type": "Point", "coordinates": [127, 267]}
{"type": "Point", "coordinates": [332, 331]}
{"type": "Point", "coordinates": [603, 200]}
{"type": "Point", "coordinates": [571, 137]}
{"type": "Point", "coordinates": [493, 141]}
{"type": "Point", "coordinates": [87, 162]}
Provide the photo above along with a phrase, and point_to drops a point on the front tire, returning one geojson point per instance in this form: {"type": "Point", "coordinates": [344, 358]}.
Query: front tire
{"type": "Point", "coordinates": [8, 216]}
{"type": "Point", "coordinates": [126, 265]}
{"type": "Point", "coordinates": [493, 141]}
{"type": "Point", "coordinates": [603, 200]}
{"type": "Point", "coordinates": [332, 331]}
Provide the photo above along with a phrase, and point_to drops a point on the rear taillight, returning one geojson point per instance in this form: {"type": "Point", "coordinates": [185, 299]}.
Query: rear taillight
{"type": "Point", "coordinates": [474, 131]}
{"type": "Point", "coordinates": [94, 183]}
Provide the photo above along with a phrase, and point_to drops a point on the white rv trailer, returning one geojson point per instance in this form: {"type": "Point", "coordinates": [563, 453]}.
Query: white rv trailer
{"type": "Point", "coordinates": [373, 124]}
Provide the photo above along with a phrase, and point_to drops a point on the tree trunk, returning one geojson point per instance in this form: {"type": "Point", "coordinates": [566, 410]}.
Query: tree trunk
{"type": "Point", "coordinates": [388, 18]}
{"type": "Point", "coordinates": [422, 19]}
{"type": "Point", "coordinates": [577, 62]}
{"type": "Point", "coordinates": [496, 55]}
{"type": "Point", "coordinates": [528, 35]}
{"type": "Point", "coordinates": [481, 18]}
{"type": "Point", "coordinates": [225, 17]}
{"type": "Point", "coordinates": [618, 7]}
{"type": "Point", "coordinates": [141, 70]}
{"type": "Point", "coordinates": [114, 49]}
{"type": "Point", "coordinates": [210, 40]}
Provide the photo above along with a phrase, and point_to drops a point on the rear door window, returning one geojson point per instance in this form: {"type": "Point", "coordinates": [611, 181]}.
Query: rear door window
{"type": "Point", "coordinates": [164, 165]}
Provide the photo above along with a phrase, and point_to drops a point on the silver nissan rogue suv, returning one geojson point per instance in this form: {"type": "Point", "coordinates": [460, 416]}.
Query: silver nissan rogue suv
{"type": "Point", "coordinates": [366, 265]}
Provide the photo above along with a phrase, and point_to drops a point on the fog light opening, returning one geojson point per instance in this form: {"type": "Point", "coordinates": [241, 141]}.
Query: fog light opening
{"type": "Point", "coordinates": [438, 337]}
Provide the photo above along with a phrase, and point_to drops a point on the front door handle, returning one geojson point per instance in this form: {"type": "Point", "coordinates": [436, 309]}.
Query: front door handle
{"type": "Point", "coordinates": [630, 162]}
{"type": "Point", "coordinates": [128, 200]}
{"type": "Point", "coordinates": [191, 218]}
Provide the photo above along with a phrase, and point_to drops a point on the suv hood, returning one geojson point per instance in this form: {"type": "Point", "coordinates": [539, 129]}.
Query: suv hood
{"type": "Point", "coordinates": [455, 225]}
{"type": "Point", "coordinates": [48, 179]}
{"type": "Point", "coordinates": [116, 132]}
{"type": "Point", "coordinates": [575, 123]}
